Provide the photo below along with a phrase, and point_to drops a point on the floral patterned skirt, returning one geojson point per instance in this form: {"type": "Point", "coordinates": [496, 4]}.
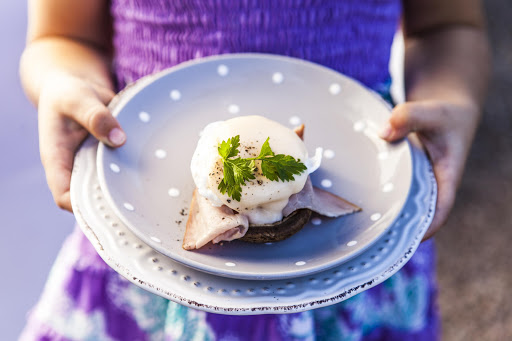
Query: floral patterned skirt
{"type": "Point", "coordinates": [84, 299]}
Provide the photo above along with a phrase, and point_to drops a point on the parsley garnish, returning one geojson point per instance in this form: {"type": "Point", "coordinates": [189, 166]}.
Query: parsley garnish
{"type": "Point", "coordinates": [237, 170]}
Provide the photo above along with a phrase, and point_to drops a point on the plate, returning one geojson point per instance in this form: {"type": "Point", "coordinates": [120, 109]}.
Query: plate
{"type": "Point", "coordinates": [143, 266]}
{"type": "Point", "coordinates": [148, 184]}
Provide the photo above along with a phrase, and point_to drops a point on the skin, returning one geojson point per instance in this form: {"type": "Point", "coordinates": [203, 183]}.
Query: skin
{"type": "Point", "coordinates": [446, 76]}
{"type": "Point", "coordinates": [65, 72]}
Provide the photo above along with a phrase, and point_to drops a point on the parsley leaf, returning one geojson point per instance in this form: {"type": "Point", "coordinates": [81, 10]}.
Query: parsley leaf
{"type": "Point", "coordinates": [278, 167]}
{"type": "Point", "coordinates": [229, 149]}
{"type": "Point", "coordinates": [265, 150]}
{"type": "Point", "coordinates": [238, 171]}
{"type": "Point", "coordinates": [242, 170]}
{"type": "Point", "coordinates": [234, 191]}
{"type": "Point", "coordinates": [281, 167]}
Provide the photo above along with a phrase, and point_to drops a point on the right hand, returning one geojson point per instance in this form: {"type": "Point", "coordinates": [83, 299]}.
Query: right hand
{"type": "Point", "coordinates": [69, 109]}
{"type": "Point", "coordinates": [446, 128]}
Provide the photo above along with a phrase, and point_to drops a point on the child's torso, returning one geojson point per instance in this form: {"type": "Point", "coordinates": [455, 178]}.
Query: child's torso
{"type": "Point", "coordinates": [351, 36]}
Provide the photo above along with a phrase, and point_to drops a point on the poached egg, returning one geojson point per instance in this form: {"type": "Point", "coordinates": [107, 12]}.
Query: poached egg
{"type": "Point", "coordinates": [262, 200]}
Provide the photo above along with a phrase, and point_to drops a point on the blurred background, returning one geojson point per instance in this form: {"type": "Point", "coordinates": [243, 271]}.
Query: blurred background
{"type": "Point", "coordinates": [475, 257]}
{"type": "Point", "coordinates": [32, 227]}
{"type": "Point", "coordinates": [475, 251]}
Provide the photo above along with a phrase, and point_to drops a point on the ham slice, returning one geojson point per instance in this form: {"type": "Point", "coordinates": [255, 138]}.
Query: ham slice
{"type": "Point", "coordinates": [299, 130]}
{"type": "Point", "coordinates": [319, 201]}
{"type": "Point", "coordinates": [207, 223]}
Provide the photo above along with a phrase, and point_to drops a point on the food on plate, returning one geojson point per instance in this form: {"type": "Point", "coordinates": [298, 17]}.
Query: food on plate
{"type": "Point", "coordinates": [252, 183]}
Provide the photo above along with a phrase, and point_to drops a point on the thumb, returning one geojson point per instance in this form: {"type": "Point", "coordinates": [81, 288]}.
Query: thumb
{"type": "Point", "coordinates": [90, 111]}
{"type": "Point", "coordinates": [410, 117]}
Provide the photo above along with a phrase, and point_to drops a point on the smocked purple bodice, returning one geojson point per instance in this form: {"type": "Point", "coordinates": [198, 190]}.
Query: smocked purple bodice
{"type": "Point", "coordinates": [350, 36]}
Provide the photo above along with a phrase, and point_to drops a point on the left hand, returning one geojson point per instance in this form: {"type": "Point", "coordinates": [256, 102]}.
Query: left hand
{"type": "Point", "coordinates": [70, 107]}
{"type": "Point", "coordinates": [446, 130]}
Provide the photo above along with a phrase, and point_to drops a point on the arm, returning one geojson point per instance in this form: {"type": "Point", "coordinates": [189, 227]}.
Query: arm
{"type": "Point", "coordinates": [446, 75]}
{"type": "Point", "coordinates": [65, 71]}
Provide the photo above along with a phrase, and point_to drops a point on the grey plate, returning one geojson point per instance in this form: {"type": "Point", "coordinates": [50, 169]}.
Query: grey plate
{"type": "Point", "coordinates": [147, 182]}
{"type": "Point", "coordinates": [142, 265]}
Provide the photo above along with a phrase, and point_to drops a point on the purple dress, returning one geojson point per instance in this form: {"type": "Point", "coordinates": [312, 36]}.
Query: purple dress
{"type": "Point", "coordinates": [85, 299]}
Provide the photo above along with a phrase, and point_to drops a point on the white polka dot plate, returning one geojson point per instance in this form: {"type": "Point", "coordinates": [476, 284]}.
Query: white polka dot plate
{"type": "Point", "coordinates": [142, 265]}
{"type": "Point", "coordinates": [148, 185]}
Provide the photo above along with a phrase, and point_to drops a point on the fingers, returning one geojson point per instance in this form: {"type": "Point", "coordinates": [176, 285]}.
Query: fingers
{"type": "Point", "coordinates": [105, 95]}
{"type": "Point", "coordinates": [411, 117]}
{"type": "Point", "coordinates": [447, 186]}
{"type": "Point", "coordinates": [445, 128]}
{"type": "Point", "coordinates": [90, 111]}
{"type": "Point", "coordinates": [70, 108]}
{"type": "Point", "coordinates": [58, 176]}
{"type": "Point", "coordinates": [85, 103]}
{"type": "Point", "coordinates": [426, 118]}
{"type": "Point", "coordinates": [98, 120]}
{"type": "Point", "coordinates": [58, 140]}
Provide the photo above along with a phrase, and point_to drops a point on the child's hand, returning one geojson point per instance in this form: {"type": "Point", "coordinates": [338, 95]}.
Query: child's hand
{"type": "Point", "coordinates": [446, 130]}
{"type": "Point", "coordinates": [69, 108]}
